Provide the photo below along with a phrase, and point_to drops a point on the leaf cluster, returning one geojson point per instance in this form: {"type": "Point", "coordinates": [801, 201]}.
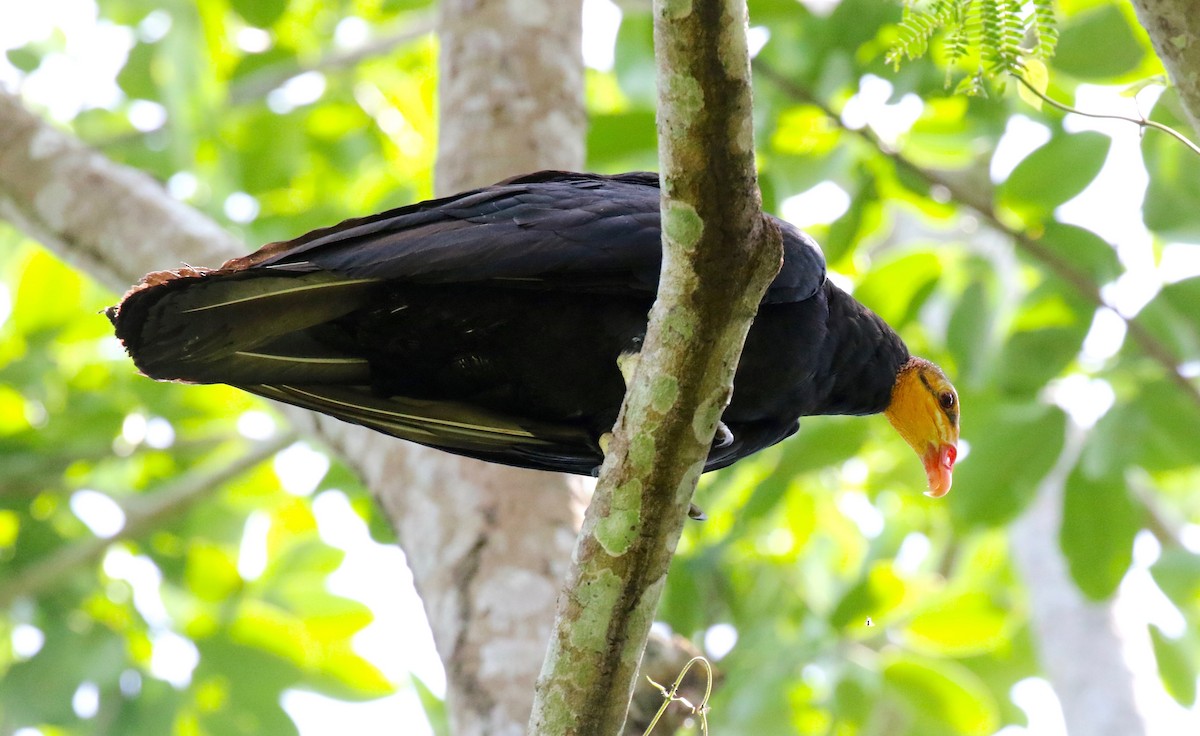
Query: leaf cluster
{"type": "Point", "coordinates": [998, 35]}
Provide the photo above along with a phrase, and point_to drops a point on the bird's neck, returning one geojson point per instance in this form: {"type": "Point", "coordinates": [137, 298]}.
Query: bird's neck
{"type": "Point", "coordinates": [865, 355]}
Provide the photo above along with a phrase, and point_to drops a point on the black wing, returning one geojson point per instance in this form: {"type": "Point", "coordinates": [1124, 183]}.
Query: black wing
{"type": "Point", "coordinates": [577, 229]}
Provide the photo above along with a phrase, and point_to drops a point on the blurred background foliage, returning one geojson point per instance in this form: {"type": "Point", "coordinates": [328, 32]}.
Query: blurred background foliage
{"type": "Point", "coordinates": [159, 574]}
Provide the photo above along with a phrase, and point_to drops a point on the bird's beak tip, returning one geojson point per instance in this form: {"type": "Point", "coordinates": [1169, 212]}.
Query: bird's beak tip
{"type": "Point", "coordinates": [939, 467]}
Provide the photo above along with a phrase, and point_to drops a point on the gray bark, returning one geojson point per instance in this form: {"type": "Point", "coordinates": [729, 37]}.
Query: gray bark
{"type": "Point", "coordinates": [510, 90]}
{"type": "Point", "coordinates": [1174, 28]}
{"type": "Point", "coordinates": [510, 101]}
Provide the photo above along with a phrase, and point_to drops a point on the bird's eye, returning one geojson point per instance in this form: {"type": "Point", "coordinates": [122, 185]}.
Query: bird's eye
{"type": "Point", "coordinates": [946, 399]}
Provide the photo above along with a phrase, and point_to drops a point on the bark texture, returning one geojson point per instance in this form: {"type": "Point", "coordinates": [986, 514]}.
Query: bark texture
{"type": "Point", "coordinates": [1174, 28]}
{"type": "Point", "coordinates": [510, 101]}
{"type": "Point", "coordinates": [720, 254]}
{"type": "Point", "coordinates": [510, 78]}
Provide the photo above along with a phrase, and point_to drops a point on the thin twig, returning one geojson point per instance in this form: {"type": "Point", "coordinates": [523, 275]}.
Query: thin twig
{"type": "Point", "coordinates": [142, 513]}
{"type": "Point", "coordinates": [1076, 279]}
{"type": "Point", "coordinates": [673, 696]}
{"type": "Point", "coordinates": [256, 85]}
{"type": "Point", "coordinates": [1140, 121]}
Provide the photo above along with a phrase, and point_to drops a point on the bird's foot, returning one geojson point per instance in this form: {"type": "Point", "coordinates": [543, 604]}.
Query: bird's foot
{"type": "Point", "coordinates": [724, 437]}
{"type": "Point", "coordinates": [696, 513]}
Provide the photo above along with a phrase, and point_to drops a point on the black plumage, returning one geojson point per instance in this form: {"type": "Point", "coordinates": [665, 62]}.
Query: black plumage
{"type": "Point", "coordinates": [490, 323]}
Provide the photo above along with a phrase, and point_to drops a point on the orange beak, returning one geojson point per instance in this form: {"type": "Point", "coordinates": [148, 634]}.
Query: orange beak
{"type": "Point", "coordinates": [939, 463]}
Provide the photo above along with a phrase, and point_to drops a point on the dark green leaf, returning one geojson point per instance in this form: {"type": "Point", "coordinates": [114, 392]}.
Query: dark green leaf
{"type": "Point", "coordinates": [1098, 526]}
{"type": "Point", "coordinates": [1154, 429]}
{"type": "Point", "coordinates": [1083, 249]}
{"type": "Point", "coordinates": [1013, 446]}
{"type": "Point", "coordinates": [969, 333]}
{"type": "Point", "coordinates": [261, 13]}
{"type": "Point", "coordinates": [1098, 45]}
{"type": "Point", "coordinates": [1054, 173]}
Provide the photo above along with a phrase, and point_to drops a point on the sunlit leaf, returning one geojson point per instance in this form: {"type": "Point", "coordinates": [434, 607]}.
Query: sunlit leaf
{"type": "Point", "coordinates": [944, 693]}
{"type": "Point", "coordinates": [1175, 666]}
{"type": "Point", "coordinates": [875, 597]}
{"type": "Point", "coordinates": [965, 625]}
{"type": "Point", "coordinates": [895, 290]}
{"type": "Point", "coordinates": [1036, 76]}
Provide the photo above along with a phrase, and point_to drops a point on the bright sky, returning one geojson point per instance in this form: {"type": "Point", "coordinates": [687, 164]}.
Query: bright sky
{"type": "Point", "coordinates": [399, 641]}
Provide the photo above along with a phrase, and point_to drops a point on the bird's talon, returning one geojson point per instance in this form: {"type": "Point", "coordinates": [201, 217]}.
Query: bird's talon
{"type": "Point", "coordinates": [724, 437]}
{"type": "Point", "coordinates": [696, 513]}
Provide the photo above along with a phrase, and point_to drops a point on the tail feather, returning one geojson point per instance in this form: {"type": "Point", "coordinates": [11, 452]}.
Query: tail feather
{"type": "Point", "coordinates": [240, 327]}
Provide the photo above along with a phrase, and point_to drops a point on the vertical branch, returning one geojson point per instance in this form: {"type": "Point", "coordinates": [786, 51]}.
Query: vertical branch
{"type": "Point", "coordinates": [720, 254]}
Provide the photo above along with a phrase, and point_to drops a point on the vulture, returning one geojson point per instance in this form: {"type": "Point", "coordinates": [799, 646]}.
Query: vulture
{"type": "Point", "coordinates": [494, 323]}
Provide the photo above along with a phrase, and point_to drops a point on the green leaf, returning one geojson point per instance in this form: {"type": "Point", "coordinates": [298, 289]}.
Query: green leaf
{"type": "Point", "coordinates": [1013, 446]}
{"type": "Point", "coordinates": [896, 289]}
{"type": "Point", "coordinates": [261, 13]}
{"type": "Point", "coordinates": [1098, 45]}
{"type": "Point", "coordinates": [434, 707]}
{"type": "Point", "coordinates": [1170, 205]}
{"type": "Point", "coordinates": [1038, 77]}
{"type": "Point", "coordinates": [878, 595]}
{"type": "Point", "coordinates": [617, 138]}
{"type": "Point", "coordinates": [25, 58]}
{"type": "Point", "coordinates": [967, 625]}
{"type": "Point", "coordinates": [136, 78]}
{"type": "Point", "coordinates": [942, 693]}
{"type": "Point", "coordinates": [1098, 526]}
{"type": "Point", "coordinates": [1083, 249]}
{"type": "Point", "coordinates": [1054, 173]}
{"type": "Point", "coordinates": [1154, 429]}
{"type": "Point", "coordinates": [1177, 573]}
{"type": "Point", "coordinates": [969, 333]}
{"type": "Point", "coordinates": [211, 572]}
{"type": "Point", "coordinates": [1048, 332]}
{"type": "Point", "coordinates": [860, 219]}
{"type": "Point", "coordinates": [1175, 667]}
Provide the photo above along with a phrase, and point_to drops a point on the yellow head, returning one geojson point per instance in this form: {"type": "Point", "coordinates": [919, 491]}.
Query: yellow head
{"type": "Point", "coordinates": [924, 410]}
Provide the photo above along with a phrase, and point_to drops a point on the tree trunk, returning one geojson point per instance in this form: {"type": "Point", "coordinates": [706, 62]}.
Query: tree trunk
{"type": "Point", "coordinates": [510, 90]}
{"type": "Point", "coordinates": [1174, 28]}
{"type": "Point", "coordinates": [1077, 639]}
{"type": "Point", "coordinates": [488, 544]}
